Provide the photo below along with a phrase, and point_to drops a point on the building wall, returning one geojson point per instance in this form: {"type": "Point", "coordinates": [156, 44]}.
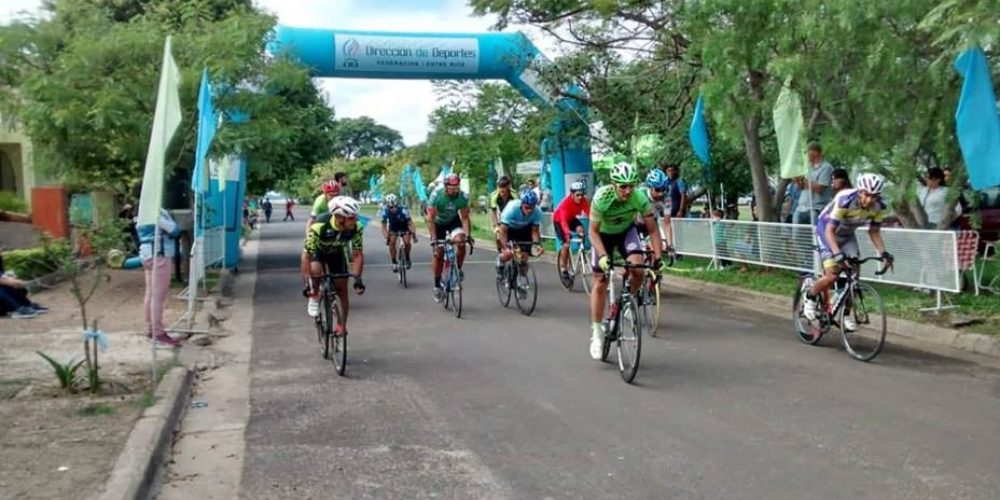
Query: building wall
{"type": "Point", "coordinates": [17, 149]}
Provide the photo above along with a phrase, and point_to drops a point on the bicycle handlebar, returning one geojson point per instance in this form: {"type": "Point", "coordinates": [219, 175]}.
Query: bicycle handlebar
{"type": "Point", "coordinates": [855, 261]}
{"type": "Point", "coordinates": [471, 242]}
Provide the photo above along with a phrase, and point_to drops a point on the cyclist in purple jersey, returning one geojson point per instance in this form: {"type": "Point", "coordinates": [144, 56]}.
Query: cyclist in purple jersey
{"type": "Point", "coordinates": [849, 210]}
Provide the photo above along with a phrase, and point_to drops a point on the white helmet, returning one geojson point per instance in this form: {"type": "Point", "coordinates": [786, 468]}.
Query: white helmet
{"type": "Point", "coordinates": [871, 183]}
{"type": "Point", "coordinates": [344, 206]}
{"type": "Point", "coordinates": [391, 200]}
{"type": "Point", "coordinates": [576, 186]}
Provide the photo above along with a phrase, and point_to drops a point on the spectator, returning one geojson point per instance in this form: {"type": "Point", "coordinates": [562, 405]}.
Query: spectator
{"type": "Point", "coordinates": [719, 236]}
{"type": "Point", "coordinates": [934, 198]}
{"type": "Point", "coordinates": [341, 178]}
{"type": "Point", "coordinates": [14, 300]}
{"type": "Point", "coordinates": [268, 207]}
{"type": "Point", "coordinates": [158, 264]}
{"type": "Point", "coordinates": [792, 193]}
{"type": "Point", "coordinates": [289, 205]}
{"type": "Point", "coordinates": [840, 180]}
{"type": "Point", "coordinates": [677, 192]}
{"type": "Point", "coordinates": [818, 188]}
{"type": "Point", "coordinates": [962, 201]}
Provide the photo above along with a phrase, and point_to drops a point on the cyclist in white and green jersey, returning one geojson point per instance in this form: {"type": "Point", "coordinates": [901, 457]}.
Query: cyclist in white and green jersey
{"type": "Point", "coordinates": [331, 189]}
{"type": "Point", "coordinates": [612, 227]}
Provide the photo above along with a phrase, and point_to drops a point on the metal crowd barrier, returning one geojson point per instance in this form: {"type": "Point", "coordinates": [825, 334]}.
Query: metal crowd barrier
{"type": "Point", "coordinates": [215, 245]}
{"type": "Point", "coordinates": [924, 258]}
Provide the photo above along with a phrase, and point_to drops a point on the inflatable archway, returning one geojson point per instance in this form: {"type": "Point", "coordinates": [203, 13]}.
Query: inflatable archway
{"type": "Point", "coordinates": [459, 56]}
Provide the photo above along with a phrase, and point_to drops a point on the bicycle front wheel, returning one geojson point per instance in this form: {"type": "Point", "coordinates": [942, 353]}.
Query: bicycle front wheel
{"type": "Point", "coordinates": [650, 304]}
{"type": "Point", "coordinates": [866, 308]}
{"type": "Point", "coordinates": [526, 290]}
{"type": "Point", "coordinates": [338, 349]}
{"type": "Point", "coordinates": [584, 271]}
{"type": "Point", "coordinates": [455, 292]}
{"type": "Point", "coordinates": [401, 258]}
{"type": "Point", "coordinates": [629, 339]}
{"type": "Point", "coordinates": [567, 279]}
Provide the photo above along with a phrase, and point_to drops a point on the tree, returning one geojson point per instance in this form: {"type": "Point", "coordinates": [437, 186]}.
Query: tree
{"type": "Point", "coordinates": [82, 81]}
{"type": "Point", "coordinates": [362, 137]}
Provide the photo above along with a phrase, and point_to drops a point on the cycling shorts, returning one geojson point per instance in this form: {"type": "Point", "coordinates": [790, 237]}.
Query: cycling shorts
{"type": "Point", "coordinates": [336, 260]}
{"type": "Point", "coordinates": [561, 235]}
{"type": "Point", "coordinates": [453, 228]}
{"type": "Point", "coordinates": [848, 246]}
{"type": "Point", "coordinates": [627, 243]}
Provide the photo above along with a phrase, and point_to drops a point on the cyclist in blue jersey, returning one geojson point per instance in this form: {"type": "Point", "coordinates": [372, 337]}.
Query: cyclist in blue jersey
{"type": "Point", "coordinates": [849, 210]}
{"type": "Point", "coordinates": [395, 220]}
{"type": "Point", "coordinates": [519, 222]}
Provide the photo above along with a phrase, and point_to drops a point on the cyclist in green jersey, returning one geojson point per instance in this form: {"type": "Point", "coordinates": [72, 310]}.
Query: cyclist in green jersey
{"type": "Point", "coordinates": [612, 227]}
{"type": "Point", "coordinates": [331, 237]}
{"type": "Point", "coordinates": [448, 216]}
{"type": "Point", "coordinates": [331, 189]}
{"type": "Point", "coordinates": [498, 200]}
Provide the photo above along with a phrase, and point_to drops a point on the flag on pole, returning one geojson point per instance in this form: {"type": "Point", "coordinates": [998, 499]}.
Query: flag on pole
{"type": "Point", "coordinates": [789, 128]}
{"type": "Point", "coordinates": [418, 185]}
{"type": "Point", "coordinates": [166, 119]}
{"type": "Point", "coordinates": [207, 122]}
{"type": "Point", "coordinates": [976, 122]}
{"type": "Point", "coordinates": [698, 135]}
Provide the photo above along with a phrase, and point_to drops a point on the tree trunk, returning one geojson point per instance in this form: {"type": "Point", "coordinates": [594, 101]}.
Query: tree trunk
{"type": "Point", "coordinates": [751, 138]}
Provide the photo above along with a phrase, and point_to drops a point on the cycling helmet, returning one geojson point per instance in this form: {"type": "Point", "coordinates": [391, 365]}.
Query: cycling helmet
{"type": "Point", "coordinates": [528, 197]}
{"type": "Point", "coordinates": [391, 200]}
{"type": "Point", "coordinates": [344, 206]}
{"type": "Point", "coordinates": [451, 180]}
{"type": "Point", "coordinates": [657, 179]}
{"type": "Point", "coordinates": [624, 173]}
{"type": "Point", "coordinates": [503, 181]}
{"type": "Point", "coordinates": [331, 187]}
{"type": "Point", "coordinates": [871, 183]}
{"type": "Point", "coordinates": [577, 187]}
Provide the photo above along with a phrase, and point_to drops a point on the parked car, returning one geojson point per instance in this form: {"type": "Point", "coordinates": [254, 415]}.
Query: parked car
{"type": "Point", "coordinates": [989, 215]}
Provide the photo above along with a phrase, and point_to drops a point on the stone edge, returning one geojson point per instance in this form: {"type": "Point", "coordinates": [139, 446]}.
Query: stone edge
{"type": "Point", "coordinates": [136, 467]}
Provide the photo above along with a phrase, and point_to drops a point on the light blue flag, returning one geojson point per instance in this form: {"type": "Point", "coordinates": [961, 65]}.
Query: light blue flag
{"type": "Point", "coordinates": [207, 121]}
{"type": "Point", "coordinates": [976, 122]}
{"type": "Point", "coordinates": [404, 181]}
{"type": "Point", "coordinates": [418, 185]}
{"type": "Point", "coordinates": [699, 132]}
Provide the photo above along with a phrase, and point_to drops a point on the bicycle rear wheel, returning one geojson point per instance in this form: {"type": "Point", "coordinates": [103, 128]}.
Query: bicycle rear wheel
{"type": "Point", "coordinates": [629, 339]}
{"type": "Point", "coordinates": [868, 311]}
{"type": "Point", "coordinates": [649, 304]}
{"type": "Point", "coordinates": [526, 290]}
{"type": "Point", "coordinates": [455, 291]}
{"type": "Point", "coordinates": [503, 291]}
{"type": "Point", "coordinates": [808, 332]}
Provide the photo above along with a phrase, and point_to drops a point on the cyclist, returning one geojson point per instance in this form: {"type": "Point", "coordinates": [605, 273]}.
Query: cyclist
{"type": "Point", "coordinates": [519, 222]}
{"type": "Point", "coordinates": [328, 242]}
{"type": "Point", "coordinates": [498, 201]}
{"type": "Point", "coordinates": [319, 207]}
{"type": "Point", "coordinates": [448, 217]}
{"type": "Point", "coordinates": [849, 210]}
{"type": "Point", "coordinates": [656, 189]}
{"type": "Point", "coordinates": [566, 221]}
{"type": "Point", "coordinates": [395, 220]}
{"type": "Point", "coordinates": [612, 227]}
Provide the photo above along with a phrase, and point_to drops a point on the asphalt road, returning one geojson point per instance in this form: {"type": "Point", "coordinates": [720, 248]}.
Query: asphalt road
{"type": "Point", "coordinates": [727, 403]}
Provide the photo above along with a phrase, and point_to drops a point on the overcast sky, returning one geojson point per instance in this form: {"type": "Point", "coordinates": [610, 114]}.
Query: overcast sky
{"type": "Point", "coordinates": [401, 104]}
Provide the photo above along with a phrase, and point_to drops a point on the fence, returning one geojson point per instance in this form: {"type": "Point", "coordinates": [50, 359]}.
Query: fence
{"type": "Point", "coordinates": [925, 259]}
{"type": "Point", "coordinates": [214, 246]}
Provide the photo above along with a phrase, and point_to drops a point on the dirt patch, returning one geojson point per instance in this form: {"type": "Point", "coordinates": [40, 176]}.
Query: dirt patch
{"type": "Point", "coordinates": [59, 445]}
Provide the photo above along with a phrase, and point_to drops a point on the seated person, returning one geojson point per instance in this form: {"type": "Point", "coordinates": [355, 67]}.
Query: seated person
{"type": "Point", "coordinates": [14, 297]}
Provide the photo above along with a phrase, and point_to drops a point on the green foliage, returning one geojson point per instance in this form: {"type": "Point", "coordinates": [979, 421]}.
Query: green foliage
{"type": "Point", "coordinates": [10, 202]}
{"type": "Point", "coordinates": [95, 410]}
{"type": "Point", "coordinates": [66, 373]}
{"type": "Point", "coordinates": [362, 137]}
{"type": "Point", "coordinates": [31, 263]}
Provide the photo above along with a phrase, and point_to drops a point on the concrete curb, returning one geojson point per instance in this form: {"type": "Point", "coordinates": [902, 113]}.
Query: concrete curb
{"type": "Point", "coordinates": [136, 467]}
{"type": "Point", "coordinates": [779, 305]}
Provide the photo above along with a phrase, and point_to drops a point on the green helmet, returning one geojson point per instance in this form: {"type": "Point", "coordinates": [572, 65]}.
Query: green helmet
{"type": "Point", "coordinates": [624, 173]}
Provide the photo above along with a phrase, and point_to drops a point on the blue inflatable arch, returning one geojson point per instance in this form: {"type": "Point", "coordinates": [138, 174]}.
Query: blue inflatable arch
{"type": "Point", "coordinates": [456, 56]}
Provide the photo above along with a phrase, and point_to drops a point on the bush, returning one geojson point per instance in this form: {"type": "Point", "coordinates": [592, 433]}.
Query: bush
{"type": "Point", "coordinates": [9, 202]}
{"type": "Point", "coordinates": [30, 263]}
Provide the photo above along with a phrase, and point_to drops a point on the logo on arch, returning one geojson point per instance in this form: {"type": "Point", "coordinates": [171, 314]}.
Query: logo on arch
{"type": "Point", "coordinates": [352, 48]}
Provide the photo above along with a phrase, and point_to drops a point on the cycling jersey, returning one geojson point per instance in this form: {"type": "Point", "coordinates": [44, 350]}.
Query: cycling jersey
{"type": "Point", "coordinates": [614, 215]}
{"type": "Point", "coordinates": [845, 214]}
{"type": "Point", "coordinates": [498, 203]}
{"type": "Point", "coordinates": [320, 206]}
{"type": "Point", "coordinates": [514, 218]}
{"type": "Point", "coordinates": [447, 207]}
{"type": "Point", "coordinates": [660, 208]}
{"type": "Point", "coordinates": [325, 237]}
{"type": "Point", "coordinates": [401, 218]}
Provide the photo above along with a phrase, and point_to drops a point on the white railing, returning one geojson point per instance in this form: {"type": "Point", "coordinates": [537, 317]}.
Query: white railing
{"type": "Point", "coordinates": [214, 246]}
{"type": "Point", "coordinates": [925, 259]}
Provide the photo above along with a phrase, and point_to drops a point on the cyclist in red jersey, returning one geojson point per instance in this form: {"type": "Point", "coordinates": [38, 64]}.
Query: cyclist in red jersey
{"type": "Point", "coordinates": [566, 221]}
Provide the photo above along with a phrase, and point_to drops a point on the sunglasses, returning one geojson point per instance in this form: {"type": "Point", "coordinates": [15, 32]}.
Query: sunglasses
{"type": "Point", "coordinates": [625, 187]}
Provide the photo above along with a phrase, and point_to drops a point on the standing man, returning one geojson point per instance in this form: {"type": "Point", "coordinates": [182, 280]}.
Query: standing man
{"type": "Point", "coordinates": [448, 217]}
{"type": "Point", "coordinates": [677, 191]}
{"type": "Point", "coordinates": [818, 188]}
{"type": "Point", "coordinates": [268, 207]}
{"type": "Point", "coordinates": [341, 179]}
{"type": "Point", "coordinates": [289, 205]}
{"type": "Point", "coordinates": [158, 264]}
{"type": "Point", "coordinates": [498, 201]}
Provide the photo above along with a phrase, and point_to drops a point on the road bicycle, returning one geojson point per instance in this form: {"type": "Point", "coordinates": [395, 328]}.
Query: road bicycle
{"type": "Point", "coordinates": [848, 296]}
{"type": "Point", "coordinates": [648, 295]}
{"type": "Point", "coordinates": [451, 276]}
{"type": "Point", "coordinates": [517, 278]}
{"type": "Point", "coordinates": [332, 346]}
{"type": "Point", "coordinates": [623, 323]}
{"type": "Point", "coordinates": [579, 265]}
{"type": "Point", "coordinates": [402, 260]}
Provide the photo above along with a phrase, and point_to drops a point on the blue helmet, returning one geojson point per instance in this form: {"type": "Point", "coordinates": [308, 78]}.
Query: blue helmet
{"type": "Point", "coordinates": [528, 197]}
{"type": "Point", "coordinates": [657, 179]}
